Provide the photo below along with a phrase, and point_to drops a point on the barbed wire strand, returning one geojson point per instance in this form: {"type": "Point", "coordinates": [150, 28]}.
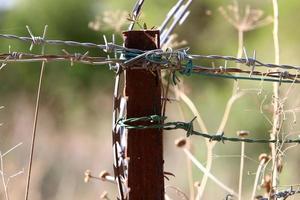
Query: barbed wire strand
{"type": "Point", "coordinates": [155, 122]}
{"type": "Point", "coordinates": [221, 72]}
{"type": "Point", "coordinates": [249, 61]}
{"type": "Point", "coordinates": [41, 41]}
{"type": "Point", "coordinates": [76, 57]}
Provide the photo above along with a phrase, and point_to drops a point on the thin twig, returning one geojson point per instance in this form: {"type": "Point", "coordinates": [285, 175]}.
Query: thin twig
{"type": "Point", "coordinates": [208, 174]}
{"type": "Point", "coordinates": [241, 170]}
{"type": "Point", "coordinates": [11, 149]}
{"type": "Point", "coordinates": [35, 121]}
{"type": "Point", "coordinates": [3, 178]}
{"type": "Point", "coordinates": [262, 163]}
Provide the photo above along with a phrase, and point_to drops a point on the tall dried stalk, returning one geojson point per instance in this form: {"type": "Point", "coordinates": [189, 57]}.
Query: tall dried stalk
{"type": "Point", "coordinates": [251, 20]}
{"type": "Point", "coordinates": [188, 162]}
{"type": "Point", "coordinates": [36, 114]}
{"type": "Point", "coordinates": [276, 104]}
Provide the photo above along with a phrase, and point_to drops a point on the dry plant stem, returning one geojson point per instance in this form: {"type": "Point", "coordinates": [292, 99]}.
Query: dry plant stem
{"type": "Point", "coordinates": [208, 174]}
{"type": "Point", "coordinates": [241, 169]}
{"type": "Point", "coordinates": [167, 197]}
{"type": "Point", "coordinates": [192, 107]}
{"type": "Point", "coordinates": [3, 178]}
{"type": "Point", "coordinates": [190, 177]}
{"type": "Point", "coordinates": [240, 44]}
{"type": "Point", "coordinates": [258, 172]}
{"type": "Point", "coordinates": [10, 150]}
{"type": "Point", "coordinates": [178, 192]}
{"type": "Point", "coordinates": [235, 95]}
{"type": "Point", "coordinates": [35, 122]}
{"type": "Point", "coordinates": [34, 132]}
{"type": "Point", "coordinates": [188, 162]}
{"type": "Point", "coordinates": [203, 128]}
{"type": "Point", "coordinates": [210, 145]}
{"type": "Point", "coordinates": [276, 106]}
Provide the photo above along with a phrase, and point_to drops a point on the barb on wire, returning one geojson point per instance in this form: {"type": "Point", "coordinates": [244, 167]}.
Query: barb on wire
{"type": "Point", "coordinates": [286, 193]}
{"type": "Point", "coordinates": [156, 122]}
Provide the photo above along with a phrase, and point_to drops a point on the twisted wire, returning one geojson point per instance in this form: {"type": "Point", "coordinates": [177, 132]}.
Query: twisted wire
{"type": "Point", "coordinates": [156, 122]}
{"type": "Point", "coordinates": [178, 60]}
{"type": "Point", "coordinates": [181, 53]}
{"type": "Point", "coordinates": [40, 41]}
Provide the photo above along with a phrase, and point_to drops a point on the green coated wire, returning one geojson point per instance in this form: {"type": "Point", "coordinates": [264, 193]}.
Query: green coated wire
{"type": "Point", "coordinates": [245, 77]}
{"type": "Point", "coordinates": [188, 70]}
{"type": "Point", "coordinates": [156, 123]}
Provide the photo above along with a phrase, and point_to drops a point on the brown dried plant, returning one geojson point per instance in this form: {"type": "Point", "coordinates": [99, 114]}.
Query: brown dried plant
{"type": "Point", "coordinates": [251, 19]}
{"type": "Point", "coordinates": [115, 20]}
{"type": "Point", "coordinates": [174, 43]}
{"type": "Point", "coordinates": [248, 20]}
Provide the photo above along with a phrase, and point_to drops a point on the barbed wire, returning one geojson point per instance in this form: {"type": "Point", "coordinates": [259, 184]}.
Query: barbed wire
{"type": "Point", "coordinates": [181, 54]}
{"type": "Point", "coordinates": [177, 60]}
{"type": "Point", "coordinates": [36, 40]}
{"type": "Point", "coordinates": [156, 122]}
{"type": "Point", "coordinates": [286, 193]}
{"type": "Point", "coordinates": [283, 194]}
{"type": "Point", "coordinates": [220, 72]}
{"type": "Point", "coordinates": [76, 57]}
{"type": "Point", "coordinates": [247, 61]}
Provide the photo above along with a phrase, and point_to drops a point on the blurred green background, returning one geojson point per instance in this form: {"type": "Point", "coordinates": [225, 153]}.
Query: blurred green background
{"type": "Point", "coordinates": [74, 130]}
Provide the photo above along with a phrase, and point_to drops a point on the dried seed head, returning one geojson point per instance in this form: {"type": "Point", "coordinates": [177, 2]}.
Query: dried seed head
{"type": "Point", "coordinates": [279, 165]}
{"type": "Point", "coordinates": [243, 133]}
{"type": "Point", "coordinates": [103, 174]}
{"type": "Point", "coordinates": [197, 184]}
{"type": "Point", "coordinates": [87, 175]}
{"type": "Point", "coordinates": [208, 12]}
{"type": "Point", "coordinates": [264, 157]}
{"type": "Point", "coordinates": [181, 142]}
{"type": "Point", "coordinates": [104, 195]}
{"type": "Point", "coordinates": [267, 184]}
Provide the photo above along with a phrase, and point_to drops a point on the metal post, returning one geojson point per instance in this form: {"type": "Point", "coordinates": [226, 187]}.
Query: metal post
{"type": "Point", "coordinates": [144, 147]}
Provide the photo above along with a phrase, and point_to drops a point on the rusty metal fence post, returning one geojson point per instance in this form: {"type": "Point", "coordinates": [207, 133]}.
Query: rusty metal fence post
{"type": "Point", "coordinates": [144, 147]}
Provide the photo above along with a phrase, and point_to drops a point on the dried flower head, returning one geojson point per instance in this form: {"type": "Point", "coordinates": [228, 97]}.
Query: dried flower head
{"type": "Point", "coordinates": [174, 43]}
{"type": "Point", "coordinates": [104, 174]}
{"type": "Point", "coordinates": [279, 164]}
{"type": "Point", "coordinates": [104, 195]}
{"type": "Point", "coordinates": [114, 20]}
{"type": "Point", "coordinates": [251, 19]}
{"type": "Point", "coordinates": [267, 183]}
{"type": "Point", "coordinates": [264, 157]}
{"type": "Point", "coordinates": [243, 133]}
{"type": "Point", "coordinates": [197, 184]}
{"type": "Point", "coordinates": [181, 142]}
{"type": "Point", "coordinates": [87, 175]}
